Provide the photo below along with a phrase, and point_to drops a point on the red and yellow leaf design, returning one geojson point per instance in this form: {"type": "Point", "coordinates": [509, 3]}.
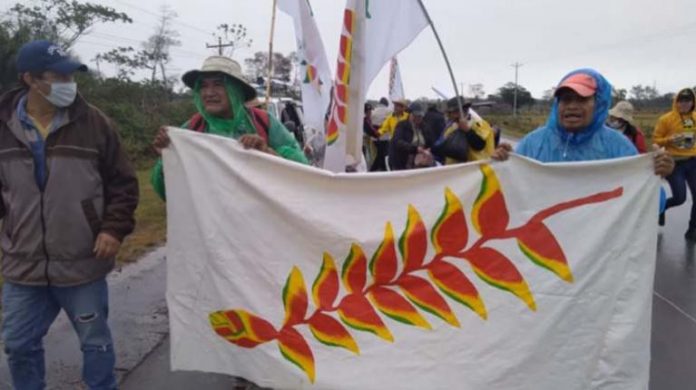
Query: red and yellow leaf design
{"type": "Point", "coordinates": [383, 264]}
{"type": "Point", "coordinates": [489, 214]}
{"type": "Point", "coordinates": [397, 307]}
{"type": "Point", "coordinates": [242, 328]}
{"type": "Point", "coordinates": [294, 348]}
{"type": "Point", "coordinates": [538, 243]}
{"type": "Point", "coordinates": [294, 298]}
{"type": "Point", "coordinates": [451, 281]}
{"type": "Point", "coordinates": [498, 271]}
{"type": "Point", "coordinates": [325, 287]}
{"type": "Point", "coordinates": [357, 312]}
{"type": "Point", "coordinates": [413, 243]}
{"type": "Point", "coordinates": [450, 233]}
{"type": "Point", "coordinates": [354, 273]}
{"type": "Point", "coordinates": [332, 333]}
{"type": "Point", "coordinates": [423, 294]}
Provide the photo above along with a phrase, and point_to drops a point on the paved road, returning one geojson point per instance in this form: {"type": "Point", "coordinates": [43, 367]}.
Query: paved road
{"type": "Point", "coordinates": [674, 307]}
{"type": "Point", "coordinates": [140, 325]}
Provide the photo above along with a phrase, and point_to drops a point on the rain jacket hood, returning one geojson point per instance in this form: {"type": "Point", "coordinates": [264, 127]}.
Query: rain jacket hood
{"type": "Point", "coordinates": [599, 117]}
{"type": "Point", "coordinates": [553, 143]}
{"type": "Point", "coordinates": [675, 100]}
{"type": "Point", "coordinates": [675, 131]}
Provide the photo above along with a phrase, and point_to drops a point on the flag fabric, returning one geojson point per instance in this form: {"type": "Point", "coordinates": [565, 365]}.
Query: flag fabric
{"type": "Point", "coordinates": [506, 275]}
{"type": "Point", "coordinates": [396, 86]}
{"type": "Point", "coordinates": [373, 32]}
{"type": "Point", "coordinates": [314, 67]}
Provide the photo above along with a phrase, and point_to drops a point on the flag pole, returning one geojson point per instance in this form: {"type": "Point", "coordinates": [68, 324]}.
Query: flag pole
{"type": "Point", "coordinates": [444, 54]}
{"type": "Point", "coordinates": [270, 54]}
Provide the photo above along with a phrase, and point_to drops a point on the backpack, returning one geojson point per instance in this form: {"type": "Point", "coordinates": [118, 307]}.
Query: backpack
{"type": "Point", "coordinates": [259, 118]}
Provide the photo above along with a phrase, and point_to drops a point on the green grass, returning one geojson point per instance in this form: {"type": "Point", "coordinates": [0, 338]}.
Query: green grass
{"type": "Point", "coordinates": [150, 227]}
{"type": "Point", "coordinates": [523, 124]}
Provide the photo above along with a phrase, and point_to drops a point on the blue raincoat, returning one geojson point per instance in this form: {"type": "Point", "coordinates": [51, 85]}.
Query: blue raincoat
{"type": "Point", "coordinates": [552, 143]}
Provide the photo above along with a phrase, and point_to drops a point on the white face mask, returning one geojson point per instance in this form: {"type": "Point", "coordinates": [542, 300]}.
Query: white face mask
{"type": "Point", "coordinates": [62, 94]}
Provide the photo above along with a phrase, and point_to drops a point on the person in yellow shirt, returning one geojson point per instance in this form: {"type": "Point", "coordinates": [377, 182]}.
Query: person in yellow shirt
{"type": "Point", "coordinates": [399, 114]}
{"type": "Point", "coordinates": [479, 135]}
{"type": "Point", "coordinates": [675, 132]}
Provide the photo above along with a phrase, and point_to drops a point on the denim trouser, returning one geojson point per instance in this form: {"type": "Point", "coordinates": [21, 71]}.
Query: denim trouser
{"type": "Point", "coordinates": [684, 173]}
{"type": "Point", "coordinates": [28, 312]}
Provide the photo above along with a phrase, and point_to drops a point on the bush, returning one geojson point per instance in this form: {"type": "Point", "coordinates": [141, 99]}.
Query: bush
{"type": "Point", "coordinates": [138, 109]}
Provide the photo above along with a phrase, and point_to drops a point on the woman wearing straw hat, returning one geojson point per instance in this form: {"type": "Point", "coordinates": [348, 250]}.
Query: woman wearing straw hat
{"type": "Point", "coordinates": [621, 119]}
{"type": "Point", "coordinates": [219, 94]}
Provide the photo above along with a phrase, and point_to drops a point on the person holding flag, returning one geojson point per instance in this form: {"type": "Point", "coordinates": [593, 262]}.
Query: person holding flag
{"type": "Point", "coordinates": [467, 138]}
{"type": "Point", "coordinates": [219, 94]}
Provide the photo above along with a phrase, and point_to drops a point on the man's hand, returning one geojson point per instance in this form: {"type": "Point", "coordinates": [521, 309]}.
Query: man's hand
{"type": "Point", "coordinates": [106, 246]}
{"type": "Point", "coordinates": [464, 124]}
{"type": "Point", "coordinates": [502, 152]}
{"type": "Point", "coordinates": [423, 158]}
{"type": "Point", "coordinates": [664, 163]}
{"type": "Point", "coordinates": [161, 140]}
{"type": "Point", "coordinates": [254, 141]}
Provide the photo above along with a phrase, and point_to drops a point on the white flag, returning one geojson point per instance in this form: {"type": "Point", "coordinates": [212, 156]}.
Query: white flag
{"type": "Point", "coordinates": [475, 276]}
{"type": "Point", "coordinates": [373, 33]}
{"type": "Point", "coordinates": [396, 86]}
{"type": "Point", "coordinates": [316, 75]}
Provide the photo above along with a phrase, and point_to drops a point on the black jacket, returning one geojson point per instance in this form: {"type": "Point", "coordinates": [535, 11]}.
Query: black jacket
{"type": "Point", "coordinates": [401, 147]}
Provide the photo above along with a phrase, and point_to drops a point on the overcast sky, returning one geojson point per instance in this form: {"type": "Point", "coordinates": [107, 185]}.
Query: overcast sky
{"type": "Point", "coordinates": [629, 41]}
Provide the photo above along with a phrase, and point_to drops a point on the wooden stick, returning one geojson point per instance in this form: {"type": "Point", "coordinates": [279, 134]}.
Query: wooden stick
{"type": "Point", "coordinates": [270, 55]}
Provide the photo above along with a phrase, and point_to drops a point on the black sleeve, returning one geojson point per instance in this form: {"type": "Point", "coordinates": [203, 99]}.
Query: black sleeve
{"type": "Point", "coordinates": [455, 146]}
{"type": "Point", "coordinates": [475, 140]}
{"type": "Point", "coordinates": [399, 140]}
{"type": "Point", "coordinates": [369, 130]}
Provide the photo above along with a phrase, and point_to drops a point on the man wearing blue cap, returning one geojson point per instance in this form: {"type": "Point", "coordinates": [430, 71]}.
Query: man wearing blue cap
{"type": "Point", "coordinates": [68, 198]}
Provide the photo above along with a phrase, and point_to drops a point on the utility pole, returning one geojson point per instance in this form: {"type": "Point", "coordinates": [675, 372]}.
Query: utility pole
{"type": "Point", "coordinates": [219, 46]}
{"type": "Point", "coordinates": [517, 66]}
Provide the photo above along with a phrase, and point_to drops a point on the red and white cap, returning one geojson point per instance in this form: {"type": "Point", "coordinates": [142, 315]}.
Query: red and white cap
{"type": "Point", "coordinates": [582, 83]}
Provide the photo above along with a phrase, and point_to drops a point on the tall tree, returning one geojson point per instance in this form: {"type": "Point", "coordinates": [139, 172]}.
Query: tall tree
{"type": "Point", "coordinates": [62, 21]}
{"type": "Point", "coordinates": [257, 66]}
{"type": "Point", "coordinates": [156, 50]}
{"type": "Point", "coordinates": [59, 20]}
{"type": "Point", "coordinates": [507, 95]}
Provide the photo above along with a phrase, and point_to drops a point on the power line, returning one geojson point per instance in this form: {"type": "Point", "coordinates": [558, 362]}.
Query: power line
{"type": "Point", "coordinates": [119, 39]}
{"type": "Point", "coordinates": [152, 13]}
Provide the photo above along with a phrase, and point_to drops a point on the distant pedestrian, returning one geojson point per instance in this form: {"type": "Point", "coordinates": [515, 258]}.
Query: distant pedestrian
{"type": "Point", "coordinates": [465, 138]}
{"type": "Point", "coordinates": [621, 119]}
{"type": "Point", "coordinates": [379, 115]}
{"type": "Point", "coordinates": [408, 148]}
{"type": "Point", "coordinates": [69, 195]}
{"type": "Point", "coordinates": [675, 132]}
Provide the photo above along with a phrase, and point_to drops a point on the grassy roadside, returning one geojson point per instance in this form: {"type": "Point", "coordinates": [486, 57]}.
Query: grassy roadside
{"type": "Point", "coordinates": [151, 226]}
{"type": "Point", "coordinates": [523, 124]}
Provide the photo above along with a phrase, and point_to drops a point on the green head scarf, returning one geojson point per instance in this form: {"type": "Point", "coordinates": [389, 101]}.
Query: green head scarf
{"type": "Point", "coordinates": [240, 123]}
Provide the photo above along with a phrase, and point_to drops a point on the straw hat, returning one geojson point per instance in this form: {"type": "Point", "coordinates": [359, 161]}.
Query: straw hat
{"type": "Point", "coordinates": [401, 101]}
{"type": "Point", "coordinates": [623, 110]}
{"type": "Point", "coordinates": [223, 65]}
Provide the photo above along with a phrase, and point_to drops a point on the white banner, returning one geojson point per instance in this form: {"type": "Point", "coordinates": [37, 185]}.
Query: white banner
{"type": "Point", "coordinates": [315, 72]}
{"type": "Point", "coordinates": [513, 275]}
{"type": "Point", "coordinates": [373, 32]}
{"type": "Point", "coordinates": [396, 85]}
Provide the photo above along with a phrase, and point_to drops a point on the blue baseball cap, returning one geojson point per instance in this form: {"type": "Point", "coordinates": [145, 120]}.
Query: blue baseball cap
{"type": "Point", "coordinates": [40, 56]}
